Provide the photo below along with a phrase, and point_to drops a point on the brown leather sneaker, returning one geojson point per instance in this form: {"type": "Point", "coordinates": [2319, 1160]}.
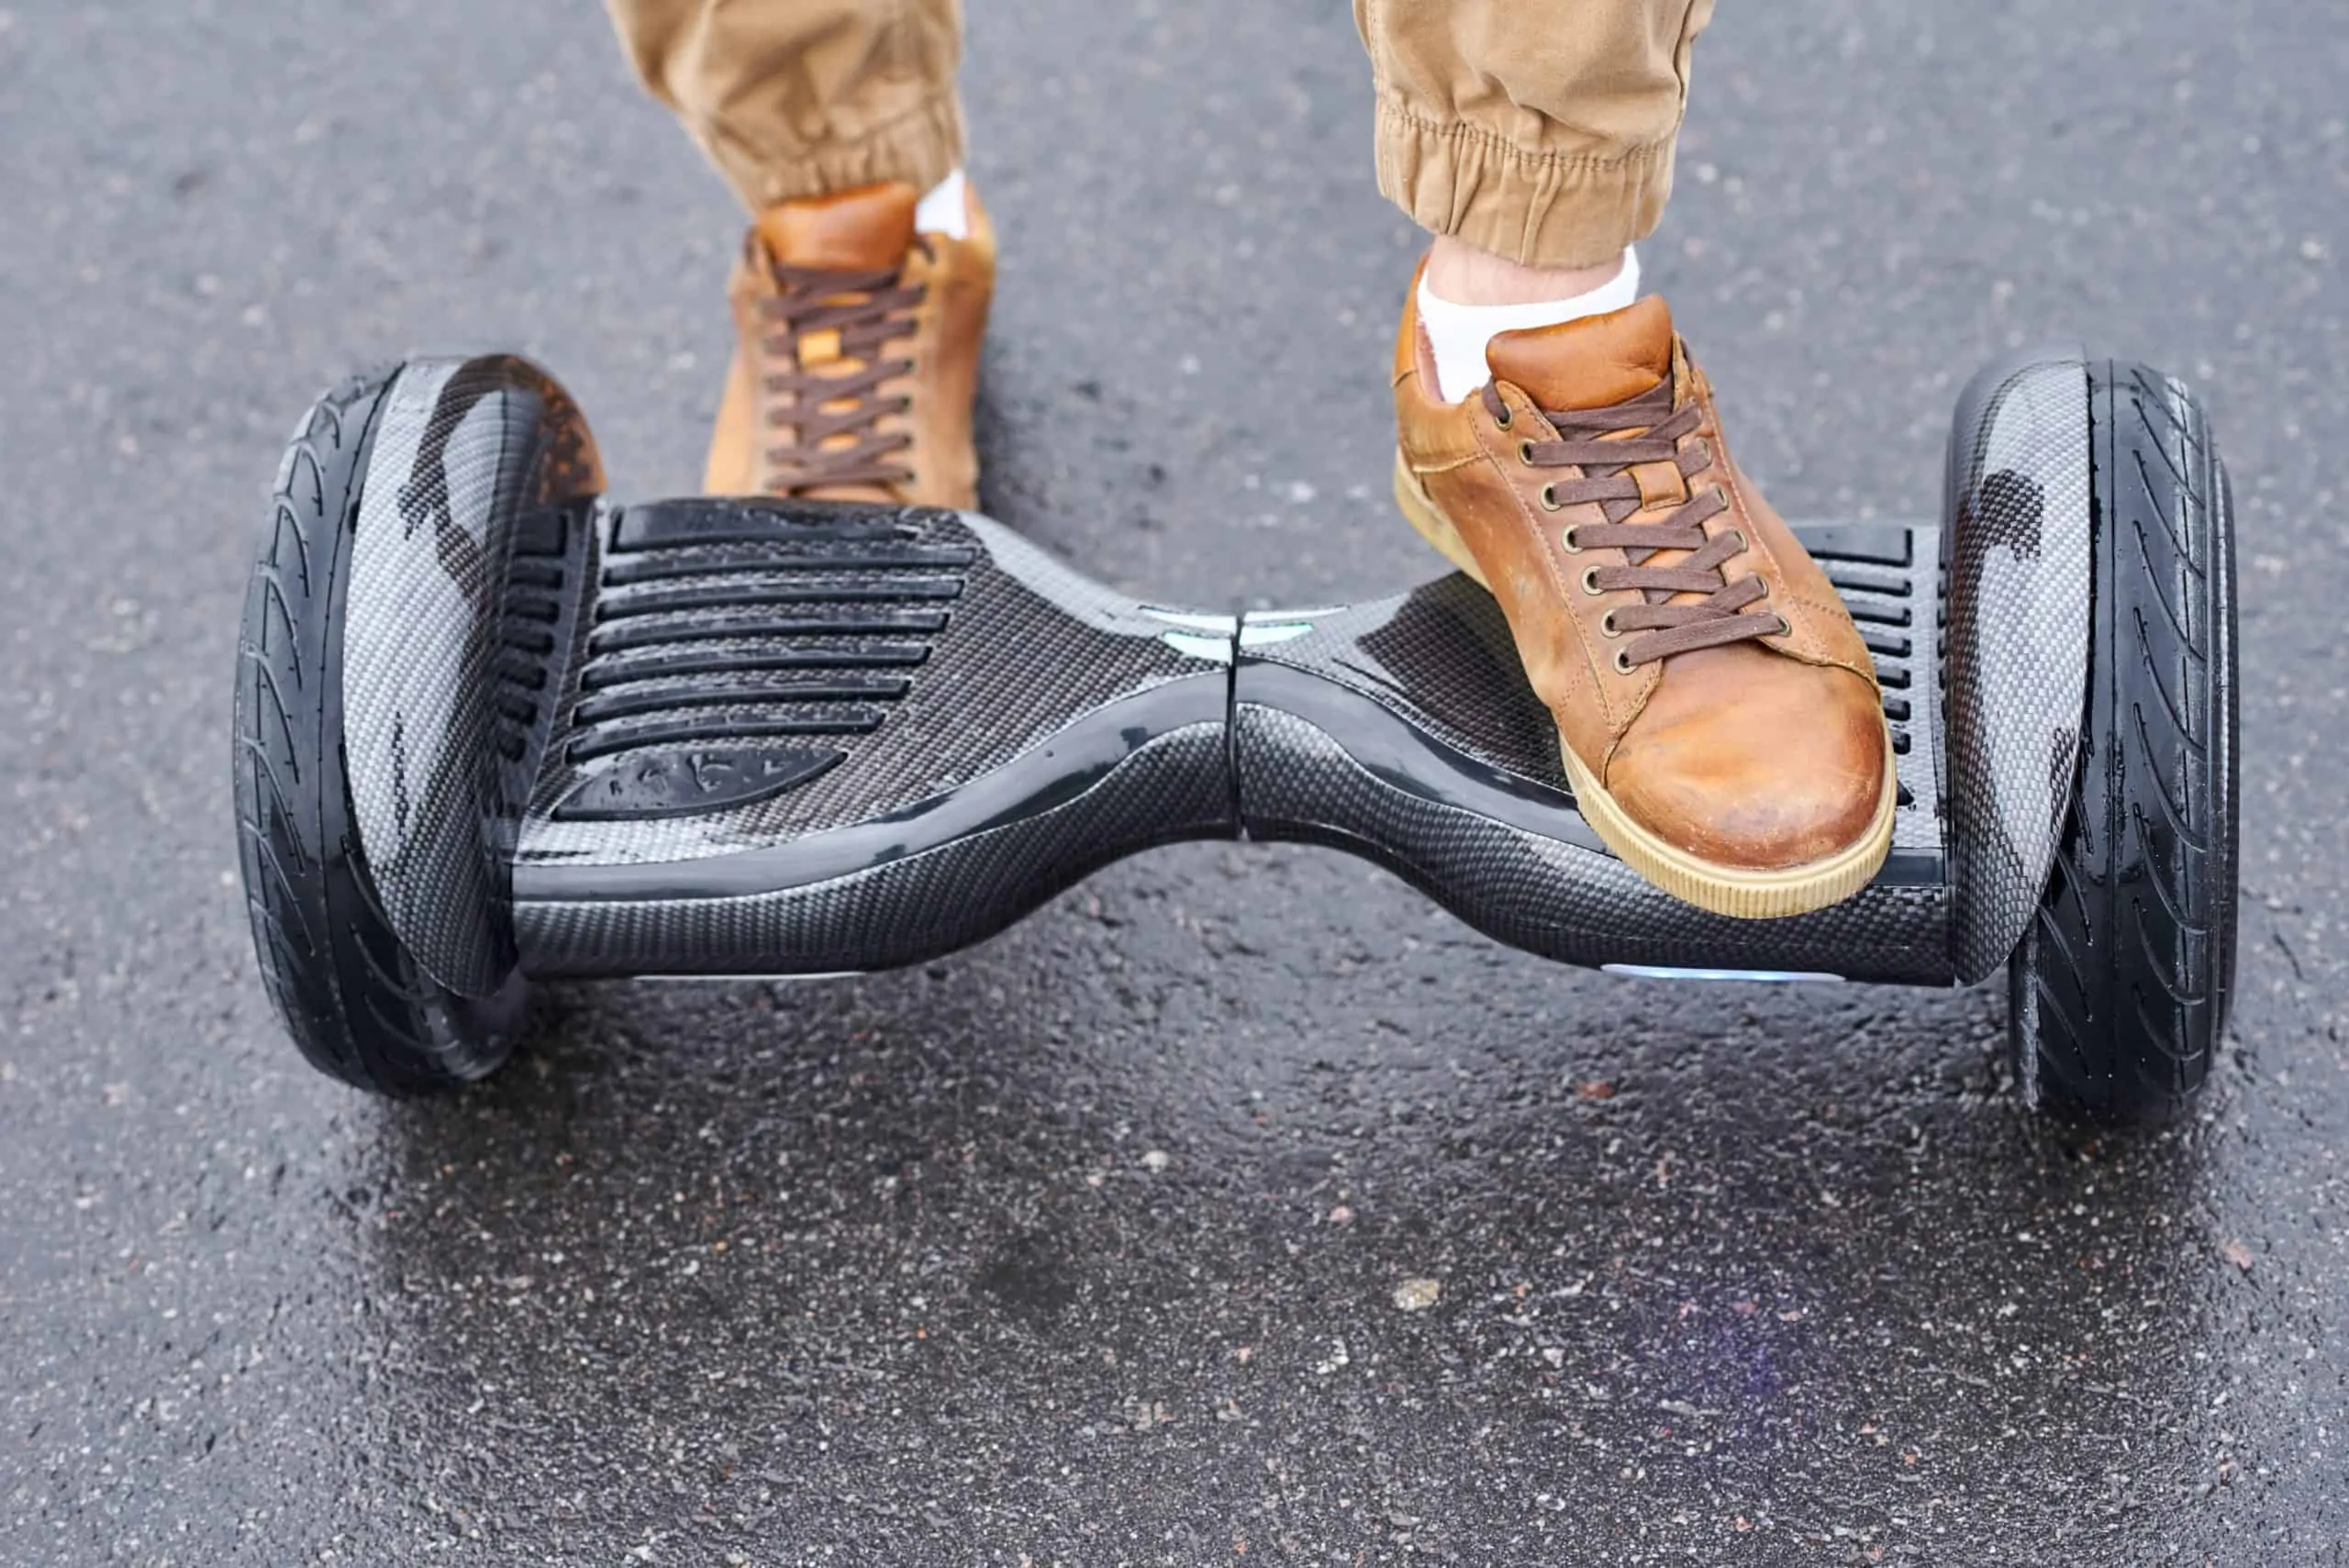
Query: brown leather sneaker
{"type": "Point", "coordinates": [1716, 710]}
{"type": "Point", "coordinates": [856, 353]}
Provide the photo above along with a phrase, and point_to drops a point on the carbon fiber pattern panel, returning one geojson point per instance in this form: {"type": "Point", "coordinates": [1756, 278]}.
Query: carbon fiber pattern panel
{"type": "Point", "coordinates": [1025, 644]}
{"type": "Point", "coordinates": [463, 448]}
{"type": "Point", "coordinates": [2018, 567]}
{"type": "Point", "coordinates": [908, 910]}
{"type": "Point", "coordinates": [1553, 897]}
{"type": "Point", "coordinates": [1441, 657]}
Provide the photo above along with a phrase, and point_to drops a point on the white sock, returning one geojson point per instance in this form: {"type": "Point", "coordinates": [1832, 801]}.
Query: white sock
{"type": "Point", "coordinates": [1458, 333]}
{"type": "Point", "coordinates": [942, 210]}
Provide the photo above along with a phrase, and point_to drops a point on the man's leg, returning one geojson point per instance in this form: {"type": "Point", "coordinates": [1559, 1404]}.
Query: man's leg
{"type": "Point", "coordinates": [1716, 711]}
{"type": "Point", "coordinates": [1540, 131]}
{"type": "Point", "coordinates": [862, 292]}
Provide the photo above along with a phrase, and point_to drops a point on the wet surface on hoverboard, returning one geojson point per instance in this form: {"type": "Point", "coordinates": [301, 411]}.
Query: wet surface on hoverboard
{"type": "Point", "coordinates": [816, 738]}
{"type": "Point", "coordinates": [1405, 731]}
{"type": "Point", "coordinates": [1027, 727]}
{"type": "Point", "coordinates": [905, 654]}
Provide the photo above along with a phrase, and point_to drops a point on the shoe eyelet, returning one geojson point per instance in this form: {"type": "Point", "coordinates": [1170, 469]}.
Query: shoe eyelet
{"type": "Point", "coordinates": [1622, 661]}
{"type": "Point", "coordinates": [1550, 503]}
{"type": "Point", "coordinates": [1739, 535]}
{"type": "Point", "coordinates": [1566, 535]}
{"type": "Point", "coordinates": [1607, 627]}
{"type": "Point", "coordinates": [1785, 628]}
{"type": "Point", "coordinates": [1525, 453]}
{"type": "Point", "coordinates": [1721, 491]}
{"type": "Point", "coordinates": [1590, 581]}
{"type": "Point", "coordinates": [1505, 418]}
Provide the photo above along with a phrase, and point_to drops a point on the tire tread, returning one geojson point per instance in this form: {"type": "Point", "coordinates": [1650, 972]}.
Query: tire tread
{"type": "Point", "coordinates": [2132, 980]}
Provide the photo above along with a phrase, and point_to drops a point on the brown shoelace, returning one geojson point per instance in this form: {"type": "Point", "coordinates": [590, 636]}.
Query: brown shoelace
{"type": "Point", "coordinates": [1657, 434]}
{"type": "Point", "coordinates": [868, 309]}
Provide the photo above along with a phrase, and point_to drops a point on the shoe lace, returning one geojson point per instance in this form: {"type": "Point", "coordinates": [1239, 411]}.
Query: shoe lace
{"type": "Point", "coordinates": [1606, 444]}
{"type": "Point", "coordinates": [811, 411]}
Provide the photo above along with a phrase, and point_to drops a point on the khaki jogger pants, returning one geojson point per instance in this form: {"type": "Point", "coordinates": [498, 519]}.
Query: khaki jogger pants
{"type": "Point", "coordinates": [1541, 130]}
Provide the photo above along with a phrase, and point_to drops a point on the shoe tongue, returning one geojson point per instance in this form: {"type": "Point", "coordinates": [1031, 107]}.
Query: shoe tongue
{"type": "Point", "coordinates": [1596, 362]}
{"type": "Point", "coordinates": [867, 229]}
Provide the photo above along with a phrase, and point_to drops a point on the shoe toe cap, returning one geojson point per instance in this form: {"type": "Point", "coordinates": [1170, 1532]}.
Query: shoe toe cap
{"type": "Point", "coordinates": [1750, 759]}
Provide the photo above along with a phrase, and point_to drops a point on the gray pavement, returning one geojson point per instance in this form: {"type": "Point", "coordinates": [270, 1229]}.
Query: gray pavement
{"type": "Point", "coordinates": [1083, 1248]}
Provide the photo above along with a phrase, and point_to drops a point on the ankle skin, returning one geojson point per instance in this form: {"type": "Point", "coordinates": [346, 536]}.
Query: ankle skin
{"type": "Point", "coordinates": [1462, 273]}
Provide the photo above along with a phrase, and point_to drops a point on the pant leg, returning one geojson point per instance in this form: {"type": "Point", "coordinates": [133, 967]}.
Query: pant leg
{"type": "Point", "coordinates": [1541, 130]}
{"type": "Point", "coordinates": [798, 97]}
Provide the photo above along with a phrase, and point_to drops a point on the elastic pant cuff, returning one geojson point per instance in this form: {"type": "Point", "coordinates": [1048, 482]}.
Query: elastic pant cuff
{"type": "Point", "coordinates": [1539, 209]}
{"type": "Point", "coordinates": [919, 146]}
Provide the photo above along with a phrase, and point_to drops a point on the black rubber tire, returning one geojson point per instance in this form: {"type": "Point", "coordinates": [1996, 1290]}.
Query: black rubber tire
{"type": "Point", "coordinates": [2119, 991]}
{"type": "Point", "coordinates": [349, 994]}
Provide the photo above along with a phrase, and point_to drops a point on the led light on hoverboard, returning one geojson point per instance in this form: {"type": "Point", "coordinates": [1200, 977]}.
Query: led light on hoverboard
{"type": "Point", "coordinates": [1257, 635]}
{"type": "Point", "coordinates": [1215, 649]}
{"type": "Point", "coordinates": [1662, 972]}
{"type": "Point", "coordinates": [1194, 642]}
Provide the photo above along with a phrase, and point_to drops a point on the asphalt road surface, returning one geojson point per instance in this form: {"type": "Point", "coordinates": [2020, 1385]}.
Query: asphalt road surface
{"type": "Point", "coordinates": [1085, 1248]}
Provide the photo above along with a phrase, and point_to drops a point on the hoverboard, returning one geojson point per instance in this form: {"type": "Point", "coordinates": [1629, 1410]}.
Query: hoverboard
{"type": "Point", "coordinates": [492, 727]}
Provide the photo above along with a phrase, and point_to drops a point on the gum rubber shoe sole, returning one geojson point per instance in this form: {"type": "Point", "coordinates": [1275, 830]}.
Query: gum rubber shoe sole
{"type": "Point", "coordinates": [1741, 893]}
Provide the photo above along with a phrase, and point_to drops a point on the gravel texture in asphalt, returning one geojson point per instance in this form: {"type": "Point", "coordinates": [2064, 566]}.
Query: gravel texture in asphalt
{"type": "Point", "coordinates": [1240, 1206]}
